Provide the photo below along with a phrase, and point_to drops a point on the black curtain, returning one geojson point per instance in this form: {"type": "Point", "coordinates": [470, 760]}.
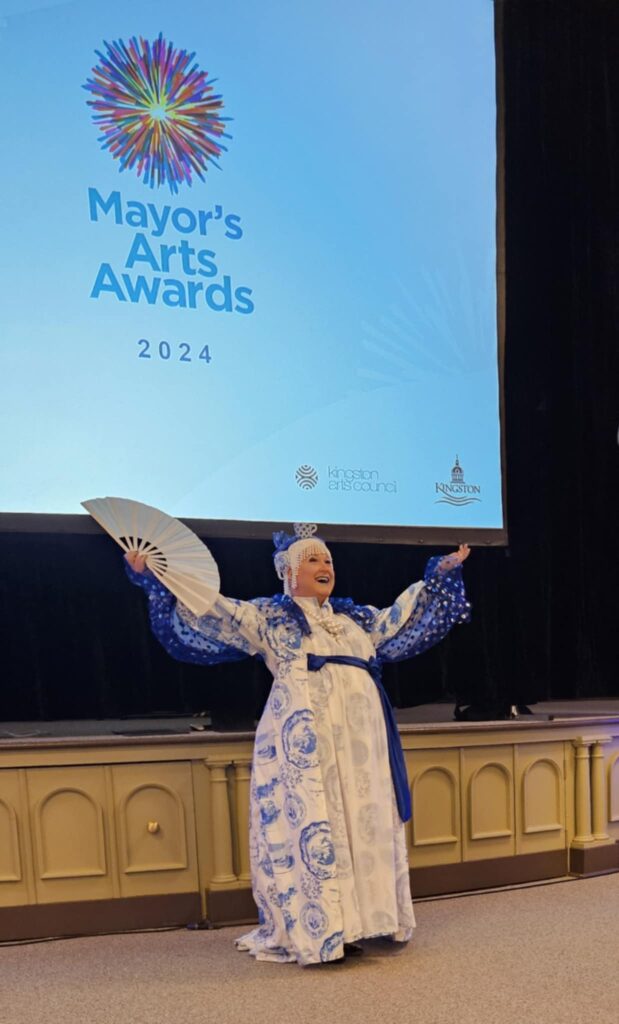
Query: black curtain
{"type": "Point", "coordinates": [562, 166]}
{"type": "Point", "coordinates": [76, 640]}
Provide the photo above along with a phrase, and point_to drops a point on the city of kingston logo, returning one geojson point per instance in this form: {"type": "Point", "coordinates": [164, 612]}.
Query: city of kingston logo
{"type": "Point", "coordinates": [457, 491]}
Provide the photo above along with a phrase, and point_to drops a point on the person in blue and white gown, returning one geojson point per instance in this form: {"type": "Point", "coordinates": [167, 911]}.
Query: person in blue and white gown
{"type": "Point", "coordinates": [329, 795]}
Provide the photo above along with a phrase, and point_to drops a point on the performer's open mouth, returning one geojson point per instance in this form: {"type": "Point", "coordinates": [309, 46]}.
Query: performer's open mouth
{"type": "Point", "coordinates": [322, 579]}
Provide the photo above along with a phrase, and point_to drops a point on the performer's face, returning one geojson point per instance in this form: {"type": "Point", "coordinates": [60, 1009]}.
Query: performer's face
{"type": "Point", "coordinates": [316, 577]}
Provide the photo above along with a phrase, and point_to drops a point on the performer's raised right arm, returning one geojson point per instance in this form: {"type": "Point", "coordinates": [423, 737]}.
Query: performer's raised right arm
{"type": "Point", "coordinates": [230, 631]}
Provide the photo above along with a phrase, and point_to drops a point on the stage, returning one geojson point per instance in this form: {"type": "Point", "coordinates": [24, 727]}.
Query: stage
{"type": "Point", "coordinates": [184, 725]}
{"type": "Point", "coordinates": [129, 823]}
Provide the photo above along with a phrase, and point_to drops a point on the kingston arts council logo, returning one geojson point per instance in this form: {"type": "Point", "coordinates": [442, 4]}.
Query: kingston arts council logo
{"type": "Point", "coordinates": [306, 477]}
{"type": "Point", "coordinates": [457, 491]}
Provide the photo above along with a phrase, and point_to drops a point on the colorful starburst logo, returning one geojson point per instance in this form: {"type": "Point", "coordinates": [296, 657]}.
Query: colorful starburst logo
{"type": "Point", "coordinates": [157, 110]}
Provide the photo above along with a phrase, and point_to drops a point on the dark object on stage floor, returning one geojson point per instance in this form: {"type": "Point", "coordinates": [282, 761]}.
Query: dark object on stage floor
{"type": "Point", "coordinates": [149, 732]}
{"type": "Point", "coordinates": [489, 712]}
{"type": "Point", "coordinates": [233, 720]}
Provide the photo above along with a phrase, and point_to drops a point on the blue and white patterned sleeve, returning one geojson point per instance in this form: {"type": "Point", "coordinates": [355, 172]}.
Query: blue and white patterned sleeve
{"type": "Point", "coordinates": [232, 629]}
{"type": "Point", "coordinates": [422, 615]}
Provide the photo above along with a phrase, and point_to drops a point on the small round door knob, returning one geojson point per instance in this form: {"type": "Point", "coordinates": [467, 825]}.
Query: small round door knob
{"type": "Point", "coordinates": [153, 826]}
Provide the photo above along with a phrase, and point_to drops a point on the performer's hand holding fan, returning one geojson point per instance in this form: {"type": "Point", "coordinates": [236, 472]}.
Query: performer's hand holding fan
{"type": "Point", "coordinates": [171, 550]}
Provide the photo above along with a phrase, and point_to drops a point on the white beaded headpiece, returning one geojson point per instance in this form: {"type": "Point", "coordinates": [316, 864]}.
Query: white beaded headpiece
{"type": "Point", "coordinates": [292, 550]}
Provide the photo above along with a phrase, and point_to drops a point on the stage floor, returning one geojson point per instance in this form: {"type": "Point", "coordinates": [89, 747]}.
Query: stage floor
{"type": "Point", "coordinates": [424, 714]}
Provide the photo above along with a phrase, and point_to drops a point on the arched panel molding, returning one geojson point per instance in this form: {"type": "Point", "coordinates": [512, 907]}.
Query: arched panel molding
{"type": "Point", "coordinates": [179, 859]}
{"type": "Point", "coordinates": [44, 809]}
{"type": "Point", "coordinates": [449, 835]}
{"type": "Point", "coordinates": [9, 837]}
{"type": "Point", "coordinates": [550, 826]}
{"type": "Point", "coordinates": [476, 832]}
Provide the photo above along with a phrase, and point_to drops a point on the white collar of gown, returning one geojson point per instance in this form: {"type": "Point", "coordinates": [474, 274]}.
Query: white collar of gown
{"type": "Point", "coordinates": [320, 614]}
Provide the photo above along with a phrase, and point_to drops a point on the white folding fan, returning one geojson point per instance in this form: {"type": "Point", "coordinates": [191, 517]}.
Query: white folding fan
{"type": "Point", "coordinates": [173, 553]}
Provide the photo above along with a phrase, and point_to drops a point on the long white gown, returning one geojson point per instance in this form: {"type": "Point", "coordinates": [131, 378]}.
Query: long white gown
{"type": "Point", "coordinates": [328, 849]}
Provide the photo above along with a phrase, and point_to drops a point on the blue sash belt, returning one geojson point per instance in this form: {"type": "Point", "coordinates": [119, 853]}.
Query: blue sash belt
{"type": "Point", "coordinates": [396, 755]}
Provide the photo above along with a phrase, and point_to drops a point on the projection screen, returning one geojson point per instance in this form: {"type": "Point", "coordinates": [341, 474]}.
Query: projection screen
{"type": "Point", "coordinates": [250, 269]}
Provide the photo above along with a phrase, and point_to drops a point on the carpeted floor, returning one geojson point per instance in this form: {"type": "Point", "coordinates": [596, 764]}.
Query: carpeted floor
{"type": "Point", "coordinates": [547, 954]}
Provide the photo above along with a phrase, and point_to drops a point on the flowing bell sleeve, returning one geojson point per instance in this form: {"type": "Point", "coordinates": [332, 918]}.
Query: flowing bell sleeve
{"type": "Point", "coordinates": [422, 615]}
{"type": "Point", "coordinates": [230, 631]}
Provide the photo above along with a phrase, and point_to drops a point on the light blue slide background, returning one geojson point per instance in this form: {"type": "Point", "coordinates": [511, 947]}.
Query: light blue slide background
{"type": "Point", "coordinates": [362, 166]}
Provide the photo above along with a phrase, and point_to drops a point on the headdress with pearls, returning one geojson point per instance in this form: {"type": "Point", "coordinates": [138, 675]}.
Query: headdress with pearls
{"type": "Point", "coordinates": [292, 549]}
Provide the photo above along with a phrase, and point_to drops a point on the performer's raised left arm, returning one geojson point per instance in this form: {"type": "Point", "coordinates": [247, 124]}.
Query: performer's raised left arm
{"type": "Point", "coordinates": [425, 612]}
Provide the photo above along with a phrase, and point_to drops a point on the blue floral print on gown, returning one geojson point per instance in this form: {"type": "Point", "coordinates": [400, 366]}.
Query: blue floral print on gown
{"type": "Point", "coordinates": [328, 851]}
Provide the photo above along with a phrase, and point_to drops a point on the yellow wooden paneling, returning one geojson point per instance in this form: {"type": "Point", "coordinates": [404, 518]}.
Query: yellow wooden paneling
{"type": "Point", "coordinates": [540, 798]}
{"type": "Point", "coordinates": [155, 827]}
{"type": "Point", "coordinates": [435, 829]}
{"type": "Point", "coordinates": [14, 890]}
{"type": "Point", "coordinates": [488, 785]}
{"type": "Point", "coordinates": [612, 790]}
{"type": "Point", "coordinates": [70, 836]}
{"type": "Point", "coordinates": [87, 821]}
